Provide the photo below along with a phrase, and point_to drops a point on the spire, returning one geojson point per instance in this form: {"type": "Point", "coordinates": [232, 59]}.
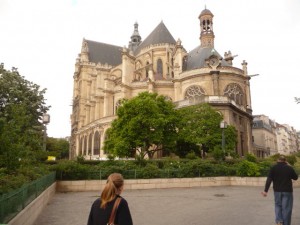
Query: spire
{"type": "Point", "coordinates": [135, 38]}
{"type": "Point", "coordinates": [206, 27]}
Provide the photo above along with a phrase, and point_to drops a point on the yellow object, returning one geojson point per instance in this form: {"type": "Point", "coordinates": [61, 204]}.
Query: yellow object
{"type": "Point", "coordinates": [51, 158]}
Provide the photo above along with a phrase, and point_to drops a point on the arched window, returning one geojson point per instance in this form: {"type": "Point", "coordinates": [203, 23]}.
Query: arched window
{"type": "Point", "coordinates": [194, 93]}
{"type": "Point", "coordinates": [105, 138]}
{"type": "Point", "coordinates": [203, 24]}
{"type": "Point", "coordinates": [147, 69]}
{"type": "Point", "coordinates": [208, 25]}
{"type": "Point", "coordinates": [80, 152]}
{"type": "Point", "coordinates": [90, 144]}
{"type": "Point", "coordinates": [159, 70]}
{"type": "Point", "coordinates": [85, 146]}
{"type": "Point", "coordinates": [97, 143]}
{"type": "Point", "coordinates": [118, 104]}
{"type": "Point", "coordinates": [184, 63]}
{"type": "Point", "coordinates": [235, 93]}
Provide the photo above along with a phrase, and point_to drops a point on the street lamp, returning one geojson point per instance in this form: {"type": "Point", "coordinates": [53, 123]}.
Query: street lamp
{"type": "Point", "coordinates": [223, 125]}
{"type": "Point", "coordinates": [46, 120]}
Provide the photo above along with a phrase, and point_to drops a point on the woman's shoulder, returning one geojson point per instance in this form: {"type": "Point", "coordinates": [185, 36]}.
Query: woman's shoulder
{"type": "Point", "coordinates": [123, 200]}
{"type": "Point", "coordinates": [97, 201]}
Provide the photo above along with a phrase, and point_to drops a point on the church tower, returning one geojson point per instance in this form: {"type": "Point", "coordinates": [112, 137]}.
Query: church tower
{"type": "Point", "coordinates": [135, 38]}
{"type": "Point", "coordinates": [206, 27]}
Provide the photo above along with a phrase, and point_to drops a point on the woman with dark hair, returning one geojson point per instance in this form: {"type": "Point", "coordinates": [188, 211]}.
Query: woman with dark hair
{"type": "Point", "coordinates": [102, 208]}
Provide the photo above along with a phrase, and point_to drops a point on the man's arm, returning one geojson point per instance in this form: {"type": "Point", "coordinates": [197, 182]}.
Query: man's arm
{"type": "Point", "coordinates": [294, 175]}
{"type": "Point", "coordinates": [268, 183]}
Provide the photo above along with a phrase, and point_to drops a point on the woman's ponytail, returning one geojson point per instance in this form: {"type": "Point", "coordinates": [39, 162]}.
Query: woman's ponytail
{"type": "Point", "coordinates": [114, 182]}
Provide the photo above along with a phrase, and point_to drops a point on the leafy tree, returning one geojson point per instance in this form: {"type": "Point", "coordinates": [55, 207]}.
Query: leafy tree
{"type": "Point", "coordinates": [22, 105]}
{"type": "Point", "coordinates": [145, 124]}
{"type": "Point", "coordinates": [200, 125]}
{"type": "Point", "coordinates": [58, 147]}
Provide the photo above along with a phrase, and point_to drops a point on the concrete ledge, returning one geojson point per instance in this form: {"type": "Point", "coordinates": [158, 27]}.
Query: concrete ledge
{"type": "Point", "coordinates": [30, 213]}
{"type": "Point", "coordinates": [95, 185]}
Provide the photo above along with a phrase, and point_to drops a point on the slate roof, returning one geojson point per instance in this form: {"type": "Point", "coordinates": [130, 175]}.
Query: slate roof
{"type": "Point", "coordinates": [196, 58]}
{"type": "Point", "coordinates": [160, 35]}
{"type": "Point", "coordinates": [104, 53]}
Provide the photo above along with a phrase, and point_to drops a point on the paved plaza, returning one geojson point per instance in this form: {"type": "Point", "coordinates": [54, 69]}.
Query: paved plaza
{"type": "Point", "coordinates": [177, 206]}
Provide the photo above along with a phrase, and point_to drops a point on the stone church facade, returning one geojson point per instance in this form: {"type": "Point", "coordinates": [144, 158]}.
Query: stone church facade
{"type": "Point", "coordinates": [105, 74]}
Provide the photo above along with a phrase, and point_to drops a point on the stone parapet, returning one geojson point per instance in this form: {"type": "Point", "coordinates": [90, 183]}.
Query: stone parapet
{"type": "Point", "coordinates": [95, 185]}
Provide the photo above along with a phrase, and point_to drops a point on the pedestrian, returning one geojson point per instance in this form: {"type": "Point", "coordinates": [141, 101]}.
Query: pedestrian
{"type": "Point", "coordinates": [102, 210]}
{"type": "Point", "coordinates": [282, 175]}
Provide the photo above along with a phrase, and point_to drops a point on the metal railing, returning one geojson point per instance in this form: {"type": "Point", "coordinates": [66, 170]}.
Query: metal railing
{"type": "Point", "coordinates": [15, 201]}
{"type": "Point", "coordinates": [141, 174]}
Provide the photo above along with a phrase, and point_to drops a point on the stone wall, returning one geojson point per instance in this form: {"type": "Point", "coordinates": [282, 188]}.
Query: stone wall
{"type": "Point", "coordinates": [96, 185]}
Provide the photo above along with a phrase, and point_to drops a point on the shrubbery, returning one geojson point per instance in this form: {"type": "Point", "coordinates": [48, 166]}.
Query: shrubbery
{"type": "Point", "coordinates": [163, 168]}
{"type": "Point", "coordinates": [13, 180]}
{"type": "Point", "coordinates": [248, 169]}
{"type": "Point", "coordinates": [141, 169]}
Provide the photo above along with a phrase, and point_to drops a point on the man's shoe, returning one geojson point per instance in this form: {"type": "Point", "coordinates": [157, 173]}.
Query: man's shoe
{"type": "Point", "coordinates": [280, 223]}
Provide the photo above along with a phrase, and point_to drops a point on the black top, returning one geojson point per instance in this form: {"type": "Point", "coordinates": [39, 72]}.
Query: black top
{"type": "Point", "coordinates": [99, 216]}
{"type": "Point", "coordinates": [281, 175]}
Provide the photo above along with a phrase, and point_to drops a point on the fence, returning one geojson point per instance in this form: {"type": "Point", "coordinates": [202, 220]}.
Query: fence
{"type": "Point", "coordinates": [143, 173]}
{"type": "Point", "coordinates": [127, 174]}
{"type": "Point", "coordinates": [148, 173]}
{"type": "Point", "coordinates": [14, 202]}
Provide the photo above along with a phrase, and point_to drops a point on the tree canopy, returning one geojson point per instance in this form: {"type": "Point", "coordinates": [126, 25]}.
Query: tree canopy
{"type": "Point", "coordinates": [58, 147]}
{"type": "Point", "coordinates": [145, 124]}
{"type": "Point", "coordinates": [200, 126]}
{"type": "Point", "coordinates": [22, 105]}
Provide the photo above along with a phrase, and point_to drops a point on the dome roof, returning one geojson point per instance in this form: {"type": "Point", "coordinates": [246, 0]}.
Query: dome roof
{"type": "Point", "coordinates": [206, 12]}
{"type": "Point", "coordinates": [197, 58]}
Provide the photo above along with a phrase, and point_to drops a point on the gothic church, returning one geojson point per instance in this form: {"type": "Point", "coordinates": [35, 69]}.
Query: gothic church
{"type": "Point", "coordinates": [105, 74]}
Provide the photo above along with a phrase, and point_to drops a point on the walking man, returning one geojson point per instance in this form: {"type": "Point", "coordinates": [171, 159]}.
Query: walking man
{"type": "Point", "coordinates": [282, 175]}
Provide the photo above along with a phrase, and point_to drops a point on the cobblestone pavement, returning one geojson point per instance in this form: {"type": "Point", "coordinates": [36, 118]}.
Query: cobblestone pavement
{"type": "Point", "coordinates": [178, 206]}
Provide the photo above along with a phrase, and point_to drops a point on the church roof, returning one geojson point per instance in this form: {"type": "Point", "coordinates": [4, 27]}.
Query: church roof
{"type": "Point", "coordinates": [104, 53]}
{"type": "Point", "coordinates": [160, 35]}
{"type": "Point", "coordinates": [196, 58]}
{"type": "Point", "coordinates": [206, 12]}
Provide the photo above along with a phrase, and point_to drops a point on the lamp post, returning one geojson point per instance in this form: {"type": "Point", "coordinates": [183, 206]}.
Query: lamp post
{"type": "Point", "coordinates": [223, 125]}
{"type": "Point", "coordinates": [46, 120]}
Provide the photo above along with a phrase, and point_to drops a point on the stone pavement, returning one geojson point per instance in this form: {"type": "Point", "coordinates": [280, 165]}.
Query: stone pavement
{"type": "Point", "coordinates": [177, 206]}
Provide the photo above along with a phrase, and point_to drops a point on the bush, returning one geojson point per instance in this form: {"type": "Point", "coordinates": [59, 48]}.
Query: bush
{"type": "Point", "coordinates": [149, 171]}
{"type": "Point", "coordinates": [248, 169]}
{"type": "Point", "coordinates": [265, 167]}
{"type": "Point", "coordinates": [292, 159]}
{"type": "Point", "coordinates": [9, 182]}
{"type": "Point", "coordinates": [71, 170]}
{"type": "Point", "coordinates": [251, 158]}
{"type": "Point", "coordinates": [218, 153]}
{"type": "Point", "coordinates": [191, 155]}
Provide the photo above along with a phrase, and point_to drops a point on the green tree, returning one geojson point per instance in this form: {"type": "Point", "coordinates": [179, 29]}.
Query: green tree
{"type": "Point", "coordinates": [22, 105]}
{"type": "Point", "coordinates": [145, 124]}
{"type": "Point", "coordinates": [200, 125]}
{"type": "Point", "coordinates": [58, 147]}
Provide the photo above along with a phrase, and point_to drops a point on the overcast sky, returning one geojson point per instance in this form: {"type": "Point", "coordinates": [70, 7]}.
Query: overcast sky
{"type": "Point", "coordinates": [43, 38]}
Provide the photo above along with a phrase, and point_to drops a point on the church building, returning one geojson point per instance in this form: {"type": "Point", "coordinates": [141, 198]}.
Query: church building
{"type": "Point", "coordinates": [105, 74]}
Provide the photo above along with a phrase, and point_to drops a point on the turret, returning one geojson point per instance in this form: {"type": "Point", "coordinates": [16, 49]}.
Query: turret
{"type": "Point", "coordinates": [206, 27]}
{"type": "Point", "coordinates": [135, 38]}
